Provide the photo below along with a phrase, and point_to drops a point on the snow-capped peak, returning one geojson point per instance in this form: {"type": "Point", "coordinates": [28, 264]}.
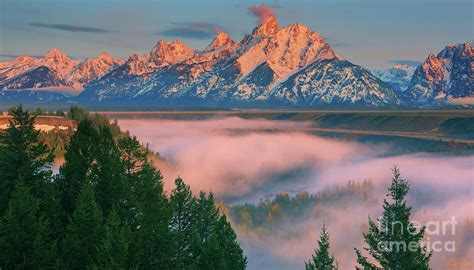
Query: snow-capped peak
{"type": "Point", "coordinates": [56, 53]}
{"type": "Point", "coordinates": [269, 27]}
{"type": "Point", "coordinates": [285, 50]}
{"type": "Point", "coordinates": [221, 40]}
{"type": "Point", "coordinates": [106, 57]}
{"type": "Point", "coordinates": [91, 69]}
{"type": "Point", "coordinates": [58, 61]}
{"type": "Point", "coordinates": [398, 76]}
{"type": "Point", "coordinates": [165, 53]}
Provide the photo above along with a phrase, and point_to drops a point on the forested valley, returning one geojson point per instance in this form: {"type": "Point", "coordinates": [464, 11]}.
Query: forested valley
{"type": "Point", "coordinates": [106, 208]}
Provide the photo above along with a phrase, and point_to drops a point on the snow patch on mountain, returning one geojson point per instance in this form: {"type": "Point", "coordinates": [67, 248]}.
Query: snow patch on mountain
{"type": "Point", "coordinates": [398, 76]}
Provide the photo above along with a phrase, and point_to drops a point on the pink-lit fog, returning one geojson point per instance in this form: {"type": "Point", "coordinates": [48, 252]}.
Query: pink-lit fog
{"type": "Point", "coordinates": [245, 160]}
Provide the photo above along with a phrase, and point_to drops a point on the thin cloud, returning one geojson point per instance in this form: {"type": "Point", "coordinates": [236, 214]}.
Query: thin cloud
{"type": "Point", "coordinates": [69, 28]}
{"type": "Point", "coordinates": [17, 55]}
{"type": "Point", "coordinates": [413, 63]}
{"type": "Point", "coordinates": [340, 44]}
{"type": "Point", "coordinates": [337, 43]}
{"type": "Point", "coordinates": [191, 30]}
{"type": "Point", "coordinates": [262, 11]}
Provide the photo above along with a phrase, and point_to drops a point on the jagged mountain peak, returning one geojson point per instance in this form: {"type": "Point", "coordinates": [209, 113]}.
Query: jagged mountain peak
{"type": "Point", "coordinates": [168, 52]}
{"type": "Point", "coordinates": [268, 27]}
{"type": "Point", "coordinates": [25, 59]}
{"type": "Point", "coordinates": [299, 27]}
{"type": "Point", "coordinates": [91, 69]}
{"type": "Point", "coordinates": [451, 50]}
{"type": "Point", "coordinates": [56, 54]}
{"type": "Point", "coordinates": [135, 65]}
{"type": "Point", "coordinates": [58, 61]}
{"type": "Point", "coordinates": [447, 75]}
{"type": "Point", "coordinates": [105, 56]}
{"type": "Point", "coordinates": [221, 40]}
{"type": "Point", "coordinates": [286, 50]}
{"type": "Point", "coordinates": [134, 57]}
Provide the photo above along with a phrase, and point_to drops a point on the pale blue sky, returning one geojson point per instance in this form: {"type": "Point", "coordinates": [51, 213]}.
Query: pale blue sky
{"type": "Point", "coordinates": [372, 33]}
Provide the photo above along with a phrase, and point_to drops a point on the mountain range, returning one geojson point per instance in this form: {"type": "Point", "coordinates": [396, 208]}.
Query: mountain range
{"type": "Point", "coordinates": [272, 66]}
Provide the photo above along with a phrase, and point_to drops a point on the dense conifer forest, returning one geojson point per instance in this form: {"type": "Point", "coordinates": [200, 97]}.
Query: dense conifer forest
{"type": "Point", "coordinates": [105, 209]}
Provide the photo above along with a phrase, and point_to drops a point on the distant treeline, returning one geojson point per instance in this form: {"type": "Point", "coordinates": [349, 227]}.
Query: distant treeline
{"type": "Point", "coordinates": [105, 209]}
{"type": "Point", "coordinates": [283, 207]}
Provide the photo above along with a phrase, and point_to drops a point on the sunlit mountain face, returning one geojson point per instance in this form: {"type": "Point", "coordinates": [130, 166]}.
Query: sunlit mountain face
{"type": "Point", "coordinates": [273, 66]}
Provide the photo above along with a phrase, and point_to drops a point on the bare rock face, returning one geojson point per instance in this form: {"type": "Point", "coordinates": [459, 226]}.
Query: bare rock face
{"type": "Point", "coordinates": [450, 74]}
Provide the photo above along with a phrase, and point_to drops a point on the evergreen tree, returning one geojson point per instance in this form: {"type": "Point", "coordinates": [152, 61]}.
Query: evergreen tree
{"type": "Point", "coordinates": [84, 232]}
{"type": "Point", "coordinates": [24, 239]}
{"type": "Point", "coordinates": [322, 260]}
{"type": "Point", "coordinates": [182, 204]}
{"type": "Point", "coordinates": [23, 158]}
{"type": "Point", "coordinates": [151, 239]}
{"type": "Point", "coordinates": [77, 167]}
{"type": "Point", "coordinates": [77, 114]}
{"type": "Point", "coordinates": [107, 173]}
{"type": "Point", "coordinates": [233, 255]}
{"type": "Point", "coordinates": [113, 251]}
{"type": "Point", "coordinates": [132, 156]}
{"type": "Point", "coordinates": [205, 249]}
{"type": "Point", "coordinates": [395, 244]}
{"type": "Point", "coordinates": [132, 160]}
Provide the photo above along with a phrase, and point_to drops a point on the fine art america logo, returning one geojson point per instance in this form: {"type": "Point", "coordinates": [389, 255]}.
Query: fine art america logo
{"type": "Point", "coordinates": [439, 236]}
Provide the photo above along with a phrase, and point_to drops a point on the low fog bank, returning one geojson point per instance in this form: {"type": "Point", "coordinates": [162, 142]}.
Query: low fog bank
{"type": "Point", "coordinates": [246, 160]}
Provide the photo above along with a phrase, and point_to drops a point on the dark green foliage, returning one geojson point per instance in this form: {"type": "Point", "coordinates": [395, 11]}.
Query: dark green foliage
{"type": "Point", "coordinates": [394, 244]}
{"type": "Point", "coordinates": [205, 245]}
{"type": "Point", "coordinates": [57, 140]}
{"type": "Point", "coordinates": [77, 114]}
{"type": "Point", "coordinates": [214, 246]}
{"type": "Point", "coordinates": [152, 239]}
{"type": "Point", "coordinates": [132, 155]}
{"type": "Point", "coordinates": [84, 232]}
{"type": "Point", "coordinates": [113, 251]}
{"type": "Point", "coordinates": [77, 167]}
{"type": "Point", "coordinates": [24, 239]}
{"type": "Point", "coordinates": [231, 252]}
{"type": "Point", "coordinates": [107, 172]}
{"type": "Point", "coordinates": [105, 209]}
{"type": "Point", "coordinates": [23, 158]}
{"type": "Point", "coordinates": [181, 224]}
{"type": "Point", "coordinates": [321, 259]}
